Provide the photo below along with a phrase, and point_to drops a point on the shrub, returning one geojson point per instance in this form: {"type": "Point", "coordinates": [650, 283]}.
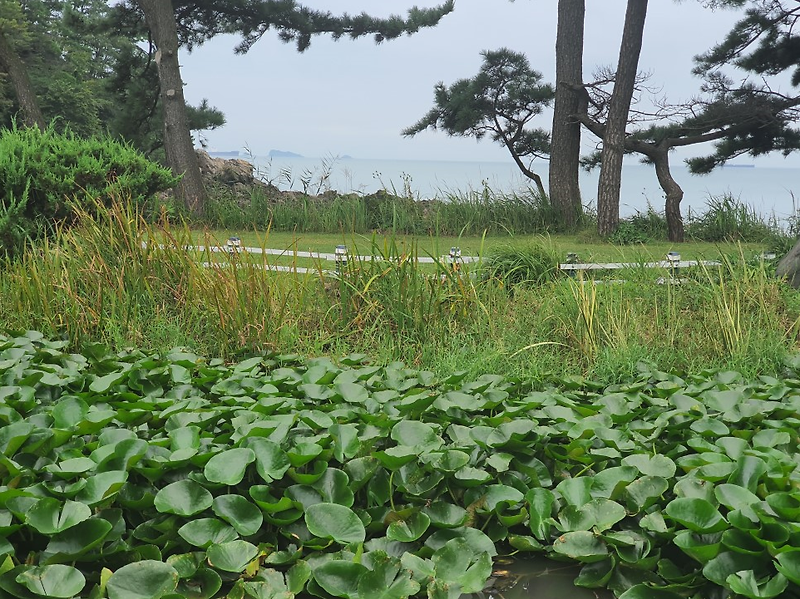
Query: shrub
{"type": "Point", "coordinates": [43, 172]}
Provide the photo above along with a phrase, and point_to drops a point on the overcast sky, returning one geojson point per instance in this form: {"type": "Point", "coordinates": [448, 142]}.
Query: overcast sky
{"type": "Point", "coordinates": [354, 97]}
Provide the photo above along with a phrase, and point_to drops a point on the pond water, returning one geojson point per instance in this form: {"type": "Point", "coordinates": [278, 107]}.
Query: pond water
{"type": "Point", "coordinates": [539, 578]}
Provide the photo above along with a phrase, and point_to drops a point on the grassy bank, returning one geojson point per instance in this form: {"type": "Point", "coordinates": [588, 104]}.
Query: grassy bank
{"type": "Point", "coordinates": [99, 282]}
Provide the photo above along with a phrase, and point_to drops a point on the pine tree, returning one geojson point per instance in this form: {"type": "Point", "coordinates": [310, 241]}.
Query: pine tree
{"type": "Point", "coordinates": [175, 23]}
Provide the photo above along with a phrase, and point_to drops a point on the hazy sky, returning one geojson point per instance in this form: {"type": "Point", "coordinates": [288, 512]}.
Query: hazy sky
{"type": "Point", "coordinates": [354, 97]}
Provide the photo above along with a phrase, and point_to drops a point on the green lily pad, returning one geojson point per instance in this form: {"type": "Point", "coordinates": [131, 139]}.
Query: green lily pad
{"type": "Point", "coordinates": [336, 522]}
{"type": "Point", "coordinates": [245, 517]}
{"type": "Point", "coordinates": [146, 579]}
{"type": "Point", "coordinates": [696, 514]}
{"type": "Point", "coordinates": [232, 556]}
{"type": "Point", "coordinates": [228, 467]}
{"type": "Point", "coordinates": [184, 498]}
{"type": "Point", "coordinates": [58, 581]}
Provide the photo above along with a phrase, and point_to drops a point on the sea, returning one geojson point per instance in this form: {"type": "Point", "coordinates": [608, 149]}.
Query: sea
{"type": "Point", "coordinates": [772, 192]}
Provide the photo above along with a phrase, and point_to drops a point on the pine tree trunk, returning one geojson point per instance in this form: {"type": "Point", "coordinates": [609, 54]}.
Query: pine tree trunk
{"type": "Point", "coordinates": [673, 194]}
{"type": "Point", "coordinates": [26, 97]}
{"type": "Point", "coordinates": [608, 188]}
{"type": "Point", "coordinates": [565, 193]}
{"type": "Point", "coordinates": [178, 146]}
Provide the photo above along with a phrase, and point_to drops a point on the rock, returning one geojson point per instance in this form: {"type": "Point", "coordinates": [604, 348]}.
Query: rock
{"type": "Point", "coordinates": [789, 267]}
{"type": "Point", "coordinates": [227, 171]}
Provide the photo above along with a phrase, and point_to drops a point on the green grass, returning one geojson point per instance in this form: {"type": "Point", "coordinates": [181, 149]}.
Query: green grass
{"type": "Point", "coordinates": [96, 282]}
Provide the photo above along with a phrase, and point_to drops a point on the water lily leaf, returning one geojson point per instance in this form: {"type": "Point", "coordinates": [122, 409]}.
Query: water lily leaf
{"type": "Point", "coordinates": [645, 491]}
{"type": "Point", "coordinates": [575, 491]}
{"type": "Point", "coordinates": [596, 574]}
{"type": "Point", "coordinates": [611, 482]}
{"type": "Point", "coordinates": [146, 579]}
{"type": "Point", "coordinates": [245, 517]}
{"type": "Point", "coordinates": [228, 467]}
{"type": "Point", "coordinates": [786, 505]}
{"type": "Point", "coordinates": [416, 434]}
{"type": "Point", "coordinates": [184, 498]}
{"type": "Point", "coordinates": [102, 384]}
{"type": "Point", "coordinates": [745, 583]}
{"type": "Point", "coordinates": [459, 563]}
{"type": "Point", "coordinates": [77, 540]}
{"type": "Point", "coordinates": [346, 444]}
{"type": "Point", "coordinates": [204, 532]}
{"type": "Point", "coordinates": [339, 578]}
{"type": "Point", "coordinates": [297, 576]}
{"type": "Point", "coordinates": [450, 460]}
{"type": "Point", "coordinates": [334, 487]}
{"type": "Point", "coordinates": [749, 470]}
{"type": "Point", "coordinates": [599, 514]}
{"type": "Point", "coordinates": [477, 540]}
{"type": "Point", "coordinates": [726, 563]}
{"type": "Point", "coordinates": [472, 477]}
{"type": "Point", "coordinates": [336, 522]}
{"type": "Point", "coordinates": [232, 556]}
{"type": "Point", "coordinates": [446, 515]}
{"type": "Point", "coordinates": [58, 581]}
{"type": "Point", "coordinates": [696, 514]}
{"type": "Point", "coordinates": [102, 486]}
{"type": "Point", "coordinates": [702, 548]}
{"type": "Point", "coordinates": [352, 392]}
{"type": "Point", "coordinates": [541, 512]}
{"type": "Point", "coordinates": [651, 465]}
{"type": "Point", "coordinates": [271, 461]}
{"type": "Point", "coordinates": [12, 436]}
{"type": "Point", "coordinates": [302, 453]}
{"type": "Point", "coordinates": [49, 517]}
{"type": "Point", "coordinates": [789, 564]}
{"type": "Point", "coordinates": [204, 584]}
{"type": "Point", "coordinates": [408, 529]}
{"type": "Point", "coordinates": [646, 591]}
{"type": "Point", "coordinates": [68, 412]}
{"type": "Point", "coordinates": [387, 581]}
{"type": "Point", "coordinates": [582, 546]}
{"type": "Point", "coordinates": [734, 496]}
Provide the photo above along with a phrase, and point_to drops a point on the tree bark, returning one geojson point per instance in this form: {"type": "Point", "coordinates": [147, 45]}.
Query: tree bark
{"type": "Point", "coordinates": [672, 192]}
{"type": "Point", "coordinates": [181, 157]}
{"type": "Point", "coordinates": [608, 188]}
{"type": "Point", "coordinates": [565, 147]}
{"type": "Point", "coordinates": [18, 74]}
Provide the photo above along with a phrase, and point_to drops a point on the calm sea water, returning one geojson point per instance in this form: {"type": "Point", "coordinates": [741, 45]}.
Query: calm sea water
{"type": "Point", "coordinates": [769, 190]}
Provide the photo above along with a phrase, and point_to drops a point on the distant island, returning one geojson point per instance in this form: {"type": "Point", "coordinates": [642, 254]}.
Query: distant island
{"type": "Point", "coordinates": [283, 154]}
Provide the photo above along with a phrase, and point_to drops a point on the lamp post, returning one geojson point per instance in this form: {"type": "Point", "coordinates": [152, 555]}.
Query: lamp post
{"type": "Point", "coordinates": [673, 258]}
{"type": "Point", "coordinates": [454, 258]}
{"type": "Point", "coordinates": [340, 257]}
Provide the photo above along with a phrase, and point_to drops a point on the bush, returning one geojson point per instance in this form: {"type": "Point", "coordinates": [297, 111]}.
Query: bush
{"type": "Point", "coordinates": [527, 266]}
{"type": "Point", "coordinates": [43, 172]}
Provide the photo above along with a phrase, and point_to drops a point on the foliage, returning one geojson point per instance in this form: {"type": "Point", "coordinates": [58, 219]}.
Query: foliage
{"type": "Point", "coordinates": [101, 280]}
{"type": "Point", "coordinates": [499, 101]}
{"type": "Point", "coordinates": [140, 475]}
{"type": "Point", "coordinates": [728, 218]}
{"type": "Point", "coordinates": [529, 265]}
{"type": "Point", "coordinates": [44, 171]}
{"type": "Point", "coordinates": [763, 42]}
{"type": "Point", "coordinates": [454, 213]}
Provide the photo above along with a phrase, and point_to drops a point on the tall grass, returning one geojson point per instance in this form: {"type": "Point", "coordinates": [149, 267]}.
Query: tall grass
{"type": "Point", "coordinates": [105, 280]}
{"type": "Point", "coordinates": [456, 213]}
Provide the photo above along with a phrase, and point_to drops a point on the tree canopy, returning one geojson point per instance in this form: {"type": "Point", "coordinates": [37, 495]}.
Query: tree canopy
{"type": "Point", "coordinates": [500, 101]}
